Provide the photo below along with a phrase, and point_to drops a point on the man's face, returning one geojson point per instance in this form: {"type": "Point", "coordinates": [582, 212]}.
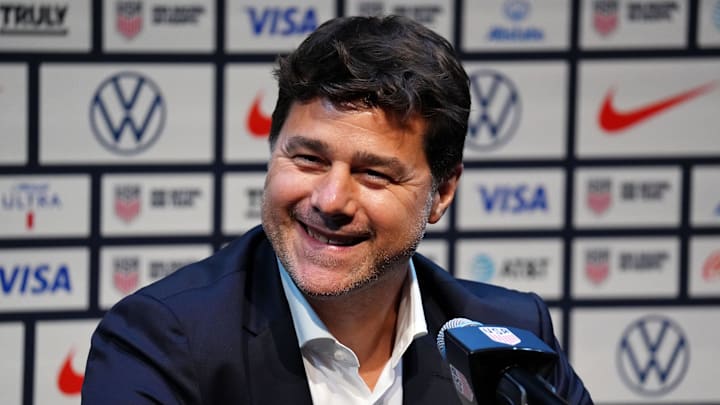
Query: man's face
{"type": "Point", "coordinates": [347, 197]}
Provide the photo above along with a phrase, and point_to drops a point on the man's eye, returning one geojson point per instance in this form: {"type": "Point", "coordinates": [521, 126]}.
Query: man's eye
{"type": "Point", "coordinates": [307, 159]}
{"type": "Point", "coordinates": [377, 177]}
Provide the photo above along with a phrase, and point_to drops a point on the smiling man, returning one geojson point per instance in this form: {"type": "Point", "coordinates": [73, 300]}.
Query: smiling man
{"type": "Point", "coordinates": [327, 302]}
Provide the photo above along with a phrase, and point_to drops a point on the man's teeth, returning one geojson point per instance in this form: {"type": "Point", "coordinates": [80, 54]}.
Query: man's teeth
{"type": "Point", "coordinates": [323, 239]}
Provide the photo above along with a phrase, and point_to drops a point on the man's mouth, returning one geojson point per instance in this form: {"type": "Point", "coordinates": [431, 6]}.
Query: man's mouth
{"type": "Point", "coordinates": [335, 240]}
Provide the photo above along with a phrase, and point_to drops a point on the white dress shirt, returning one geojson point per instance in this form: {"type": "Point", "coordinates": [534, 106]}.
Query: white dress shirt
{"type": "Point", "coordinates": [332, 369]}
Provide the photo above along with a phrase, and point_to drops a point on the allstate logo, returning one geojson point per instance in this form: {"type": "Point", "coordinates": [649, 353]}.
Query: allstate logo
{"type": "Point", "coordinates": [482, 268]}
{"type": "Point", "coordinates": [496, 115]}
{"type": "Point", "coordinates": [516, 10]}
{"type": "Point", "coordinates": [127, 113]}
{"type": "Point", "coordinates": [653, 355]}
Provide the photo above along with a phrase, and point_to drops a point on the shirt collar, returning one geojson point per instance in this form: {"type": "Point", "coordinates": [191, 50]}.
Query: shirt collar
{"type": "Point", "coordinates": [308, 326]}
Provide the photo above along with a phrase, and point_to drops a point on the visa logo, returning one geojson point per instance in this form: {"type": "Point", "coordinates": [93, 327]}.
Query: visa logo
{"type": "Point", "coordinates": [521, 198]}
{"type": "Point", "coordinates": [282, 21]}
{"type": "Point", "coordinates": [34, 280]}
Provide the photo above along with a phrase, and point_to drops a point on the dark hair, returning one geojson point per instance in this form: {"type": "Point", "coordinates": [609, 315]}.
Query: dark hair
{"type": "Point", "coordinates": [392, 63]}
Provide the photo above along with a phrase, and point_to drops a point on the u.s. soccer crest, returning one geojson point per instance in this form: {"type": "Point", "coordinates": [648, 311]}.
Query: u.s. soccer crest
{"type": "Point", "coordinates": [129, 18]}
{"type": "Point", "coordinates": [597, 265]}
{"type": "Point", "coordinates": [127, 202]}
{"type": "Point", "coordinates": [126, 274]}
{"type": "Point", "coordinates": [605, 16]}
{"type": "Point", "coordinates": [500, 335]}
{"type": "Point", "coordinates": [599, 195]}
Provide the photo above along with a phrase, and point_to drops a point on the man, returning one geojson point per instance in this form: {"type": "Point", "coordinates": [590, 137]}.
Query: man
{"type": "Point", "coordinates": [327, 302]}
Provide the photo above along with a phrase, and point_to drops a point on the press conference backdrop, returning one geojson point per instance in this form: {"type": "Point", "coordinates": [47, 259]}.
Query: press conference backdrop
{"type": "Point", "coordinates": [133, 140]}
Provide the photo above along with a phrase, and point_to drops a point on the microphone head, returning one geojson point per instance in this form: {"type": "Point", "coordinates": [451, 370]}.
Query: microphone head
{"type": "Point", "coordinates": [451, 324]}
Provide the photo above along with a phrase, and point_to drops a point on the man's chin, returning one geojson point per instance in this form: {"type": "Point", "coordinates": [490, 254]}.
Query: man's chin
{"type": "Point", "coordinates": [316, 286]}
{"type": "Point", "coordinates": [324, 293]}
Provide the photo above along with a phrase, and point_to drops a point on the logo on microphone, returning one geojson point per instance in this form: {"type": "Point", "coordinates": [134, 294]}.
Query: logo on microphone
{"type": "Point", "coordinates": [500, 335]}
{"type": "Point", "coordinates": [498, 113]}
{"type": "Point", "coordinates": [461, 384]}
{"type": "Point", "coordinates": [653, 355]}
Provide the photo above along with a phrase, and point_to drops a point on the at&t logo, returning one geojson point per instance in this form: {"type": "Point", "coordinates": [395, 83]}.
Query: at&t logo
{"type": "Point", "coordinates": [496, 112]}
{"type": "Point", "coordinates": [127, 113]}
{"type": "Point", "coordinates": [653, 355]}
{"type": "Point", "coordinates": [482, 268]}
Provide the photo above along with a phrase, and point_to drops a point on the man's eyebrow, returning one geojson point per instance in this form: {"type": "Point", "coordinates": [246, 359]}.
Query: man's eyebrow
{"type": "Point", "coordinates": [371, 159]}
{"type": "Point", "coordinates": [302, 142]}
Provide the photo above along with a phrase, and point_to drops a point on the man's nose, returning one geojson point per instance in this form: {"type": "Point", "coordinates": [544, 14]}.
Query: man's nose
{"type": "Point", "coordinates": [334, 194]}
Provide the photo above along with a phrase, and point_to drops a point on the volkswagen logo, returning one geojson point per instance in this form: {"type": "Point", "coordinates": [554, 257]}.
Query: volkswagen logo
{"type": "Point", "coordinates": [653, 355]}
{"type": "Point", "coordinates": [496, 115]}
{"type": "Point", "coordinates": [127, 113]}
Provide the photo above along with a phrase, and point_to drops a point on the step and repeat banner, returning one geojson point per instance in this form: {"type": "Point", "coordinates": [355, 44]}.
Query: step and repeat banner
{"type": "Point", "coordinates": [133, 140]}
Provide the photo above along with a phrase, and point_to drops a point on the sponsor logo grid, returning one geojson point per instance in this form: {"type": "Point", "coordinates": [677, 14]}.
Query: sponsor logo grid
{"type": "Point", "coordinates": [151, 129]}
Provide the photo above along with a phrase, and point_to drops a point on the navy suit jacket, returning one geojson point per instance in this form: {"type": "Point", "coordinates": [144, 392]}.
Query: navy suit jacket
{"type": "Point", "coordinates": [220, 332]}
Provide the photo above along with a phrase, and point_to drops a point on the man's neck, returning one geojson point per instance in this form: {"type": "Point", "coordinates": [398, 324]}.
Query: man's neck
{"type": "Point", "coordinates": [365, 321]}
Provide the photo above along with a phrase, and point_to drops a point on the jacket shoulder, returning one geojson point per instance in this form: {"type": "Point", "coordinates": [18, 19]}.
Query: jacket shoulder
{"type": "Point", "coordinates": [232, 262]}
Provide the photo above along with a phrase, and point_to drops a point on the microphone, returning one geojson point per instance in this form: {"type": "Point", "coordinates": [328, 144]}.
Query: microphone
{"type": "Point", "coordinates": [496, 364]}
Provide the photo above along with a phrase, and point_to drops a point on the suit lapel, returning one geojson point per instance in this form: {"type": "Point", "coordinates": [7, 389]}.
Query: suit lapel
{"type": "Point", "coordinates": [274, 368]}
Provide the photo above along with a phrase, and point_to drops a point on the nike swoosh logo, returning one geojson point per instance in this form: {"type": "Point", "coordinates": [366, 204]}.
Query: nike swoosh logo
{"type": "Point", "coordinates": [613, 120]}
{"type": "Point", "coordinates": [69, 382]}
{"type": "Point", "coordinates": [258, 123]}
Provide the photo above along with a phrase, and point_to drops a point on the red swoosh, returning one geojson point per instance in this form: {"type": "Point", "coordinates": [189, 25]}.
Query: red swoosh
{"type": "Point", "coordinates": [258, 123]}
{"type": "Point", "coordinates": [613, 120]}
{"type": "Point", "coordinates": [69, 381]}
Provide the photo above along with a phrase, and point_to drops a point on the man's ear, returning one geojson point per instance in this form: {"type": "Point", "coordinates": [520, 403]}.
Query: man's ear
{"type": "Point", "coordinates": [444, 194]}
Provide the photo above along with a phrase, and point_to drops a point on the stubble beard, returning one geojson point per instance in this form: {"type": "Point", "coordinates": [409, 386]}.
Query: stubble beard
{"type": "Point", "coordinates": [365, 274]}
